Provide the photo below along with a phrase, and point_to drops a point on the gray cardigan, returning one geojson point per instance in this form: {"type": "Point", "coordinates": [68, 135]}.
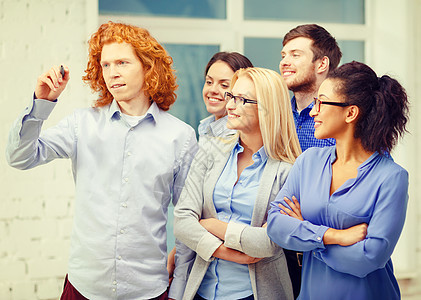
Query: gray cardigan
{"type": "Point", "coordinates": [269, 277]}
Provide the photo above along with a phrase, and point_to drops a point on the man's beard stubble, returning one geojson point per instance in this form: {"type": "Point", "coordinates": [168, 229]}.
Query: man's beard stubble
{"type": "Point", "coordinates": [305, 85]}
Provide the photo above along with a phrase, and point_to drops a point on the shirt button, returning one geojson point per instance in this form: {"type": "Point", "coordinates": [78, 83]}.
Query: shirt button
{"type": "Point", "coordinates": [124, 205]}
{"type": "Point", "coordinates": [122, 231]}
{"type": "Point", "coordinates": [129, 153]}
{"type": "Point", "coordinates": [319, 238]}
{"type": "Point", "coordinates": [299, 127]}
{"type": "Point", "coordinates": [113, 290]}
{"type": "Point", "coordinates": [119, 257]}
{"type": "Point", "coordinates": [126, 179]}
{"type": "Point", "coordinates": [131, 129]}
{"type": "Point", "coordinates": [114, 282]}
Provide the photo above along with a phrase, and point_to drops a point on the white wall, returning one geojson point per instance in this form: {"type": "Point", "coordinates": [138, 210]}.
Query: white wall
{"type": "Point", "coordinates": [36, 205]}
{"type": "Point", "coordinates": [394, 49]}
{"type": "Point", "coordinates": [397, 51]}
{"type": "Point", "coordinates": [387, 39]}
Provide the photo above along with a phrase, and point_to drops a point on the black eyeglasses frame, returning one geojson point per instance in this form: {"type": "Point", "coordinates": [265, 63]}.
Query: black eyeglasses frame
{"type": "Point", "coordinates": [316, 99]}
{"type": "Point", "coordinates": [236, 98]}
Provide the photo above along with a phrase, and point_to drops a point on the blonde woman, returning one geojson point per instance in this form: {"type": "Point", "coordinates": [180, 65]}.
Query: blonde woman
{"type": "Point", "coordinates": [222, 210]}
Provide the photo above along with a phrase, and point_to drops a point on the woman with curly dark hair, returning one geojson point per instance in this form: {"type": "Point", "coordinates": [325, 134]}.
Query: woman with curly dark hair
{"type": "Point", "coordinates": [345, 205]}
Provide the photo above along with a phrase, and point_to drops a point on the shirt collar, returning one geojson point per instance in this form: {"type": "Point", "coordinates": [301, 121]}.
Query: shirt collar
{"type": "Point", "coordinates": [366, 163]}
{"type": "Point", "coordinates": [294, 105]}
{"type": "Point", "coordinates": [215, 127]}
{"type": "Point", "coordinates": [207, 120]}
{"type": "Point", "coordinates": [260, 155]}
{"type": "Point", "coordinates": [153, 112]}
{"type": "Point", "coordinates": [204, 124]}
{"type": "Point", "coordinates": [115, 112]}
{"type": "Point", "coordinates": [310, 106]}
{"type": "Point", "coordinates": [219, 126]}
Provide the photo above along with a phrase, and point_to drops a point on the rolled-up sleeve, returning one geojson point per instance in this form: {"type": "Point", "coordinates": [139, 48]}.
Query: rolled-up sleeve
{"type": "Point", "coordinates": [233, 235]}
{"type": "Point", "coordinates": [250, 240]}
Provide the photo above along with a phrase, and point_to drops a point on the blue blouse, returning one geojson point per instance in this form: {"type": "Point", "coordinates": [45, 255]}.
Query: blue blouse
{"type": "Point", "coordinates": [377, 196]}
{"type": "Point", "coordinates": [233, 202]}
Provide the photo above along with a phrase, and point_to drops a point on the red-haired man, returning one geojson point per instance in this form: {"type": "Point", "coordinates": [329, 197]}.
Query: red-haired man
{"type": "Point", "coordinates": [129, 157]}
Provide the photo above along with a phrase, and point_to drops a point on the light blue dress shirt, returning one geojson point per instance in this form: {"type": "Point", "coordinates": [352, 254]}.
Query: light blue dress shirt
{"type": "Point", "coordinates": [125, 177]}
{"type": "Point", "coordinates": [210, 126]}
{"type": "Point", "coordinates": [233, 202]}
{"type": "Point", "coordinates": [377, 196]}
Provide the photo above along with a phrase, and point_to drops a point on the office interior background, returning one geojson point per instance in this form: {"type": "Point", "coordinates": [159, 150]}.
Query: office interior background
{"type": "Point", "coordinates": [36, 206]}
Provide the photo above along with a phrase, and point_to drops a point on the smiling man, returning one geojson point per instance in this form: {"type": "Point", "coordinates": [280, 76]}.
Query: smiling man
{"type": "Point", "coordinates": [309, 53]}
{"type": "Point", "coordinates": [129, 160]}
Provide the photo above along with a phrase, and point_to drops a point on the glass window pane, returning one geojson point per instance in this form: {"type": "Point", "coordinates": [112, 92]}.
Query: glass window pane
{"type": "Point", "coordinates": [266, 52]}
{"type": "Point", "coordinates": [352, 50]}
{"type": "Point", "coordinates": [210, 9]}
{"type": "Point", "coordinates": [190, 62]}
{"type": "Point", "coordinates": [333, 11]}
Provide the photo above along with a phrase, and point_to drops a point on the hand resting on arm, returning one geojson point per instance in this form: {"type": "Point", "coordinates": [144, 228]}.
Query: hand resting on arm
{"type": "Point", "coordinates": [342, 237]}
{"type": "Point", "coordinates": [218, 228]}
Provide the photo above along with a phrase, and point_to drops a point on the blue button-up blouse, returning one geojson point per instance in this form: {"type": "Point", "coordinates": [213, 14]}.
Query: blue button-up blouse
{"type": "Point", "coordinates": [377, 196]}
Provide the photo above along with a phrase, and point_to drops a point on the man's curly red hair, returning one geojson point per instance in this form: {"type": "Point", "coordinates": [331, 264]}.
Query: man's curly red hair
{"type": "Point", "coordinates": [160, 80]}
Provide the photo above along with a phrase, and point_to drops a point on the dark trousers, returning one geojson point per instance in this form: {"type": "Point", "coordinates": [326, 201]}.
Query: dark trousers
{"type": "Point", "coordinates": [70, 293]}
{"type": "Point", "coordinates": [294, 270]}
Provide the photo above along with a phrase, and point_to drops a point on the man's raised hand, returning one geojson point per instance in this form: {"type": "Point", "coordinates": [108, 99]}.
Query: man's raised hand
{"type": "Point", "coordinates": [51, 84]}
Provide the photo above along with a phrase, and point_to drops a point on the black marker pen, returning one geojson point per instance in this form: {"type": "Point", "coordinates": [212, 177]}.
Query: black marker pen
{"type": "Point", "coordinates": [62, 71]}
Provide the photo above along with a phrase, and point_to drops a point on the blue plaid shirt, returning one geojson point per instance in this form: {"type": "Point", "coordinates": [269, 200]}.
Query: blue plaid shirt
{"type": "Point", "coordinates": [304, 125]}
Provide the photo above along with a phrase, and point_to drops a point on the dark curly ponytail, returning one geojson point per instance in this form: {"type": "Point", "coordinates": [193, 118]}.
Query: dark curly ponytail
{"type": "Point", "coordinates": [383, 105]}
